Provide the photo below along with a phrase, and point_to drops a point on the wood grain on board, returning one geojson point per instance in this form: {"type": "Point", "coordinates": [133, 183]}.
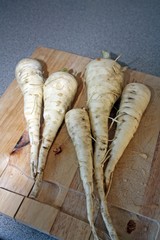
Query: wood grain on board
{"type": "Point", "coordinates": [9, 202]}
{"type": "Point", "coordinates": [38, 215]}
{"type": "Point", "coordinates": [68, 227]}
{"type": "Point", "coordinates": [60, 209]}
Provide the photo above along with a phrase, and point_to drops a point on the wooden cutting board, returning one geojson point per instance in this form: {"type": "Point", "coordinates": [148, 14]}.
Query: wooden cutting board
{"type": "Point", "coordinates": [59, 209]}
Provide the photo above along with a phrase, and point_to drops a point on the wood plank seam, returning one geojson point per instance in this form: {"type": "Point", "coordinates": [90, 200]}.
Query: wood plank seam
{"type": "Point", "coordinates": [18, 208]}
{"type": "Point", "coordinates": [11, 191]}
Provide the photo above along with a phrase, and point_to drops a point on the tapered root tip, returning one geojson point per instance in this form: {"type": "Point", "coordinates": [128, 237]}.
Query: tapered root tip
{"type": "Point", "coordinates": [95, 236]}
{"type": "Point", "coordinates": [37, 186]}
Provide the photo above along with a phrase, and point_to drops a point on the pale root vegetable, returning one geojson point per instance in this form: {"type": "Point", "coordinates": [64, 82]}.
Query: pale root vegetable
{"type": "Point", "coordinates": [104, 81]}
{"type": "Point", "coordinates": [134, 101]}
{"type": "Point", "coordinates": [78, 126]}
{"type": "Point", "coordinates": [30, 79]}
{"type": "Point", "coordinates": [59, 91]}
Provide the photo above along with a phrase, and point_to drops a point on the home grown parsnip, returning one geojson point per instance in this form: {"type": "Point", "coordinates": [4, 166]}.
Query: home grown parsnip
{"type": "Point", "coordinates": [78, 126]}
{"type": "Point", "coordinates": [59, 91]}
{"type": "Point", "coordinates": [104, 81]}
{"type": "Point", "coordinates": [30, 79]}
{"type": "Point", "coordinates": [134, 101]}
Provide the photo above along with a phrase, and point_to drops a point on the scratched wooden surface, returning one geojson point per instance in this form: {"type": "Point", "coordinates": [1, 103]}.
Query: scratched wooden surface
{"type": "Point", "coordinates": [59, 209]}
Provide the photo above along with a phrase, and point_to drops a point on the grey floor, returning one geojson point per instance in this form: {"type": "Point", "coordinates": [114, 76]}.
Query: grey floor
{"type": "Point", "coordinates": [130, 28]}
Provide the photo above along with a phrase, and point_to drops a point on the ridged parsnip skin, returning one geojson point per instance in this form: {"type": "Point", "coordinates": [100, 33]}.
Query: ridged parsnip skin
{"type": "Point", "coordinates": [104, 80]}
{"type": "Point", "coordinates": [59, 91]}
{"type": "Point", "coordinates": [78, 126]}
{"type": "Point", "coordinates": [134, 101]}
{"type": "Point", "coordinates": [29, 77]}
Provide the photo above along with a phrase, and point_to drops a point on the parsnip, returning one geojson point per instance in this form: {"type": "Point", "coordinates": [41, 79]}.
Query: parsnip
{"type": "Point", "coordinates": [135, 98]}
{"type": "Point", "coordinates": [29, 77]}
{"type": "Point", "coordinates": [59, 91]}
{"type": "Point", "coordinates": [104, 81]}
{"type": "Point", "coordinates": [78, 126]}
